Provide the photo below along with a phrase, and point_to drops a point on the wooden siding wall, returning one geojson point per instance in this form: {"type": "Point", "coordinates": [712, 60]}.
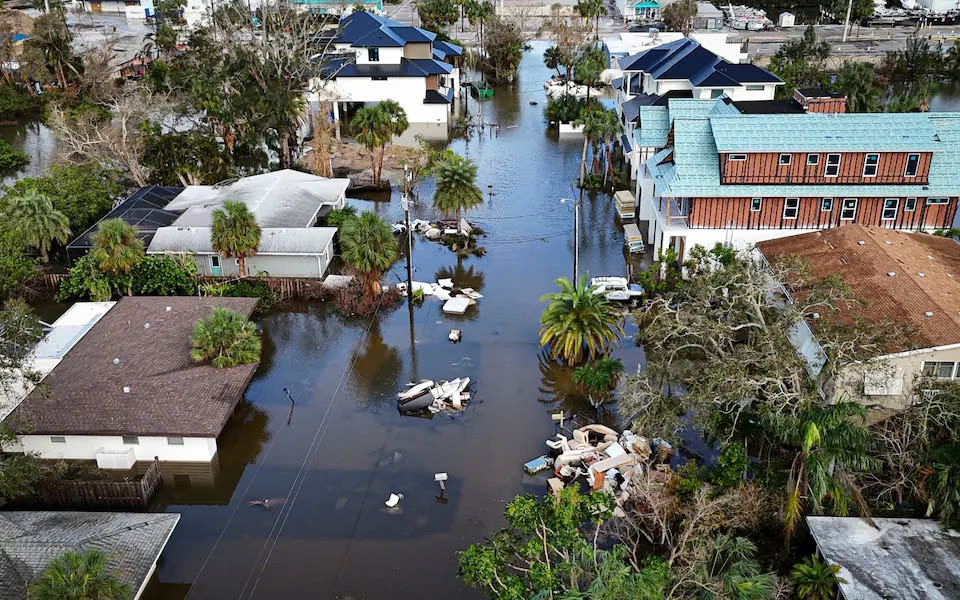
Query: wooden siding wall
{"type": "Point", "coordinates": [765, 167]}
{"type": "Point", "coordinates": [735, 213]}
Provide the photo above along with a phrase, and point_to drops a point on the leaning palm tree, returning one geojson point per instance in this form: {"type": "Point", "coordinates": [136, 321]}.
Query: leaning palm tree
{"type": "Point", "coordinates": [577, 323]}
{"type": "Point", "coordinates": [225, 338]}
{"type": "Point", "coordinates": [814, 579]}
{"type": "Point", "coordinates": [117, 249]}
{"type": "Point", "coordinates": [78, 576]}
{"type": "Point", "coordinates": [457, 189]}
{"type": "Point", "coordinates": [235, 233]}
{"type": "Point", "coordinates": [32, 216]}
{"type": "Point", "coordinates": [369, 247]}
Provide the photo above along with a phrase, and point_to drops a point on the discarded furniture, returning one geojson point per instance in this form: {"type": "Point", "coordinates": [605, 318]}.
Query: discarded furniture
{"type": "Point", "coordinates": [626, 204]}
{"type": "Point", "coordinates": [632, 238]}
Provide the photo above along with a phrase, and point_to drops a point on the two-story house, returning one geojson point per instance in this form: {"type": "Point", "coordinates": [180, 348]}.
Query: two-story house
{"type": "Point", "coordinates": [738, 179]}
{"type": "Point", "coordinates": [376, 59]}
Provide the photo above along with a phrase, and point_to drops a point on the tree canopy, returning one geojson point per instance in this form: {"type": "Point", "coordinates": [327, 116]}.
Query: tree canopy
{"type": "Point", "coordinates": [226, 339]}
{"type": "Point", "coordinates": [234, 233]}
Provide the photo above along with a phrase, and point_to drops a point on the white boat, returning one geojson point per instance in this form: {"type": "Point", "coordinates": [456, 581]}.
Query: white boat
{"type": "Point", "coordinates": [415, 391]}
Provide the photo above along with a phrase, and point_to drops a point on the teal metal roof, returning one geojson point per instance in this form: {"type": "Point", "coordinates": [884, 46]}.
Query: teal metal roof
{"type": "Point", "coordinates": [691, 168]}
{"type": "Point", "coordinates": [694, 108]}
{"type": "Point", "coordinates": [889, 132]}
{"type": "Point", "coordinates": [647, 4]}
{"type": "Point", "coordinates": [653, 127]}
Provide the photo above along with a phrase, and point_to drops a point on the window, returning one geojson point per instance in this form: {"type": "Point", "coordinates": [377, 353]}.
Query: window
{"type": "Point", "coordinates": [373, 54]}
{"type": "Point", "coordinates": [940, 370]}
{"type": "Point", "coordinates": [754, 88]}
{"type": "Point", "coordinates": [131, 440]}
{"type": "Point", "coordinates": [756, 204]}
{"type": "Point", "coordinates": [870, 165]}
{"type": "Point", "coordinates": [738, 157]}
{"type": "Point", "coordinates": [716, 93]}
{"type": "Point", "coordinates": [813, 159]}
{"type": "Point", "coordinates": [937, 200]}
{"type": "Point", "coordinates": [890, 207]}
{"type": "Point", "coordinates": [784, 159]}
{"type": "Point", "coordinates": [215, 261]}
{"type": "Point", "coordinates": [833, 166]}
{"type": "Point", "coordinates": [913, 163]}
{"type": "Point", "coordinates": [174, 441]}
{"type": "Point", "coordinates": [826, 205]}
{"type": "Point", "coordinates": [58, 439]}
{"type": "Point", "coordinates": [848, 211]}
{"type": "Point", "coordinates": [791, 207]}
{"type": "Point", "coordinates": [910, 205]}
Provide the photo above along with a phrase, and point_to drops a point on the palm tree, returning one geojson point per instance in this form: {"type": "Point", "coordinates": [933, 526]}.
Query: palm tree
{"type": "Point", "coordinates": [369, 247]}
{"type": "Point", "coordinates": [605, 129]}
{"type": "Point", "coordinates": [457, 189]}
{"type": "Point", "coordinates": [858, 81]}
{"type": "Point", "coordinates": [33, 217]}
{"type": "Point", "coordinates": [225, 338]}
{"type": "Point", "coordinates": [598, 378]}
{"type": "Point", "coordinates": [78, 576]}
{"type": "Point", "coordinates": [815, 579]}
{"type": "Point", "coordinates": [577, 323]}
{"type": "Point", "coordinates": [375, 127]}
{"type": "Point", "coordinates": [599, 126]}
{"type": "Point", "coordinates": [831, 442]}
{"type": "Point", "coordinates": [591, 9]}
{"type": "Point", "coordinates": [117, 249]}
{"type": "Point", "coordinates": [943, 484]}
{"type": "Point", "coordinates": [553, 57]}
{"type": "Point", "coordinates": [235, 233]}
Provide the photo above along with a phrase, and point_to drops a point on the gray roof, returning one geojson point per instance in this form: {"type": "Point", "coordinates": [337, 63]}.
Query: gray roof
{"type": "Point", "coordinates": [284, 198]}
{"type": "Point", "coordinates": [30, 540]}
{"type": "Point", "coordinates": [295, 240]}
{"type": "Point", "coordinates": [907, 559]}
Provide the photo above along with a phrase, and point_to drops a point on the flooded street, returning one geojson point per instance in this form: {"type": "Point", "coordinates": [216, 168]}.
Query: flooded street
{"type": "Point", "coordinates": [333, 457]}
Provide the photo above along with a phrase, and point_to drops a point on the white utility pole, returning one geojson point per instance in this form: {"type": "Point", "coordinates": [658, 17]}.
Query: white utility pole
{"type": "Point", "coordinates": [846, 22]}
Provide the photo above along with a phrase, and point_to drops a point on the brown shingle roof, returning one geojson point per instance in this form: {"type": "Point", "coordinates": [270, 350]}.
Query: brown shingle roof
{"type": "Point", "coordinates": [169, 395]}
{"type": "Point", "coordinates": [926, 276]}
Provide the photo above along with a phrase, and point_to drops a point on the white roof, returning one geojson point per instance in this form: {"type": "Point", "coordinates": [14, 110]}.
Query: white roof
{"type": "Point", "coordinates": [284, 198]}
{"type": "Point", "coordinates": [64, 333]}
{"type": "Point", "coordinates": [706, 9]}
{"type": "Point", "coordinates": [907, 559]}
{"type": "Point", "coordinates": [273, 240]}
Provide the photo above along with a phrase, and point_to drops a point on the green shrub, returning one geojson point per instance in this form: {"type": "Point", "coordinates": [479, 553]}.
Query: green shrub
{"type": "Point", "coordinates": [11, 158]}
{"type": "Point", "coordinates": [16, 103]}
{"type": "Point", "coordinates": [339, 216]}
{"type": "Point", "coordinates": [565, 109]}
{"type": "Point", "coordinates": [84, 192]}
{"type": "Point", "coordinates": [167, 275]}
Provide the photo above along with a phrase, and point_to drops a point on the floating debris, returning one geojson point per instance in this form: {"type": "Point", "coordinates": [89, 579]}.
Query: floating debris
{"type": "Point", "coordinates": [434, 396]}
{"type": "Point", "coordinates": [393, 500]}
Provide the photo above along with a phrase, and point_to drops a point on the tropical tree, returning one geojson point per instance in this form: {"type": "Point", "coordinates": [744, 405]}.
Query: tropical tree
{"type": "Point", "coordinates": [78, 576]}
{"type": "Point", "coordinates": [598, 378]}
{"type": "Point", "coordinates": [577, 323]}
{"type": "Point", "coordinates": [457, 189]}
{"type": "Point", "coordinates": [369, 247]}
{"type": "Point", "coordinates": [479, 12]}
{"type": "Point", "coordinates": [591, 9]}
{"type": "Point", "coordinates": [375, 128]}
{"type": "Point", "coordinates": [800, 62]}
{"type": "Point", "coordinates": [943, 484]}
{"type": "Point", "coordinates": [225, 338]}
{"type": "Point", "coordinates": [859, 82]}
{"type": "Point", "coordinates": [588, 66]}
{"type": "Point", "coordinates": [831, 444]}
{"type": "Point", "coordinates": [815, 579]}
{"type": "Point", "coordinates": [33, 218]}
{"type": "Point", "coordinates": [235, 233]}
{"type": "Point", "coordinates": [599, 127]}
{"type": "Point", "coordinates": [117, 249]}
{"type": "Point", "coordinates": [679, 15]}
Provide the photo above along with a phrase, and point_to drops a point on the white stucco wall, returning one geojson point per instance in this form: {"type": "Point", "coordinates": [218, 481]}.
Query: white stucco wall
{"type": "Point", "coordinates": [408, 92]}
{"type": "Point", "coordinates": [388, 56]}
{"type": "Point", "coordinates": [303, 265]}
{"type": "Point", "coordinates": [86, 447]}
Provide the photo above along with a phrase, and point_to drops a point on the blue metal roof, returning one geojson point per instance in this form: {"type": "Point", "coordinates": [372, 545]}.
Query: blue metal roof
{"type": "Point", "coordinates": [449, 48]}
{"type": "Point", "coordinates": [822, 132]}
{"type": "Point", "coordinates": [366, 30]}
{"type": "Point", "coordinates": [435, 97]}
{"type": "Point", "coordinates": [687, 60]}
{"type": "Point", "coordinates": [419, 67]}
{"type": "Point", "coordinates": [654, 127]}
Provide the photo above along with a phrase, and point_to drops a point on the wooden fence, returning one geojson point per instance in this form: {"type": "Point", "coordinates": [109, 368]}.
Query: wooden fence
{"type": "Point", "coordinates": [135, 494]}
{"type": "Point", "coordinates": [288, 288]}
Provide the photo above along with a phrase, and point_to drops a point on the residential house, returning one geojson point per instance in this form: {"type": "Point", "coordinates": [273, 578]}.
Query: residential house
{"type": "Point", "coordinates": [907, 279]}
{"type": "Point", "coordinates": [339, 7]}
{"type": "Point", "coordinates": [30, 540]}
{"type": "Point", "coordinates": [908, 559]}
{"type": "Point", "coordinates": [286, 204]}
{"type": "Point", "coordinates": [375, 59]}
{"type": "Point", "coordinates": [128, 390]}
{"type": "Point", "coordinates": [628, 43]}
{"type": "Point", "coordinates": [642, 11]}
{"type": "Point", "coordinates": [708, 16]}
{"type": "Point", "coordinates": [737, 179]}
{"type": "Point", "coordinates": [133, 9]}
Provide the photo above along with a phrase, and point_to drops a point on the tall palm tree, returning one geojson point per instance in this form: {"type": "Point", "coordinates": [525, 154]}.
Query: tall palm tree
{"type": "Point", "coordinates": [117, 249]}
{"type": "Point", "coordinates": [577, 323]}
{"type": "Point", "coordinates": [369, 247]}
{"type": "Point", "coordinates": [591, 9]}
{"type": "Point", "coordinates": [78, 576]}
{"type": "Point", "coordinates": [457, 189]}
{"type": "Point", "coordinates": [605, 129]}
{"type": "Point", "coordinates": [599, 127]}
{"type": "Point", "coordinates": [225, 338]}
{"type": "Point", "coordinates": [858, 82]}
{"type": "Point", "coordinates": [33, 217]}
{"type": "Point", "coordinates": [831, 442]}
{"type": "Point", "coordinates": [375, 127]}
{"type": "Point", "coordinates": [814, 579]}
{"type": "Point", "coordinates": [235, 233]}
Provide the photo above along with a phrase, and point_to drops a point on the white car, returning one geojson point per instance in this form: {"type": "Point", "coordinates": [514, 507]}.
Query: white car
{"type": "Point", "coordinates": [616, 288]}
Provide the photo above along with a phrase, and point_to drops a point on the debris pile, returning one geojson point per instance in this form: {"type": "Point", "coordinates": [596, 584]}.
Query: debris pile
{"type": "Point", "coordinates": [461, 237]}
{"type": "Point", "coordinates": [456, 300]}
{"type": "Point", "coordinates": [746, 17]}
{"type": "Point", "coordinates": [604, 459]}
{"type": "Point", "coordinates": [558, 88]}
{"type": "Point", "coordinates": [434, 396]}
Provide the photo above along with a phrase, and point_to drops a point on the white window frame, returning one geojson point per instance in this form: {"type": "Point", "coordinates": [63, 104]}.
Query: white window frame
{"type": "Point", "coordinates": [756, 204]}
{"type": "Point", "coordinates": [780, 161]}
{"type": "Point", "coordinates": [795, 208]}
{"type": "Point", "coordinates": [937, 363]}
{"type": "Point", "coordinates": [910, 205]}
{"type": "Point", "coordinates": [815, 159]}
{"type": "Point", "coordinates": [937, 201]}
{"type": "Point", "coordinates": [737, 157]}
{"type": "Point", "coordinates": [867, 165]}
{"type": "Point", "coordinates": [754, 87]}
{"type": "Point", "coordinates": [906, 167]}
{"type": "Point", "coordinates": [131, 440]}
{"type": "Point", "coordinates": [836, 167]}
{"type": "Point", "coordinates": [58, 439]}
{"type": "Point", "coordinates": [844, 208]}
{"type": "Point", "coordinates": [895, 208]}
{"type": "Point", "coordinates": [826, 205]}
{"type": "Point", "coordinates": [174, 440]}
